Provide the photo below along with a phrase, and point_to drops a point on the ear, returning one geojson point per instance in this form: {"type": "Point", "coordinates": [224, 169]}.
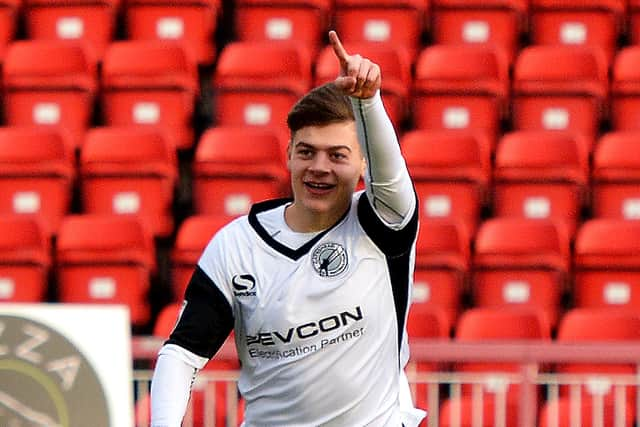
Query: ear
{"type": "Point", "coordinates": [363, 167]}
{"type": "Point", "coordinates": [289, 152]}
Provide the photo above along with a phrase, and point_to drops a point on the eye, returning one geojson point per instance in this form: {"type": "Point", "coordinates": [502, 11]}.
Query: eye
{"type": "Point", "coordinates": [339, 156]}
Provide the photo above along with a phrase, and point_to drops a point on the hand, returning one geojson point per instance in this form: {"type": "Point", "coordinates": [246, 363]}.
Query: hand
{"type": "Point", "coordinates": [359, 77]}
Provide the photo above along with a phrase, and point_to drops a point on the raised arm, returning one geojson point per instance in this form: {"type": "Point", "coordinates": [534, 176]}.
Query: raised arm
{"type": "Point", "coordinates": [388, 184]}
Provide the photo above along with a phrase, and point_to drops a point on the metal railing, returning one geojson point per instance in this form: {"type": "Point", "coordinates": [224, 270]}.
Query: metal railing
{"type": "Point", "coordinates": [530, 394]}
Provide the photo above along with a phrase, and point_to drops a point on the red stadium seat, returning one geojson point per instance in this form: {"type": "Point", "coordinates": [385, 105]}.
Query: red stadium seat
{"type": "Point", "coordinates": [616, 176]}
{"type": "Point", "coordinates": [10, 11]}
{"type": "Point", "coordinates": [625, 89]}
{"type": "Point", "coordinates": [304, 21]}
{"type": "Point", "coordinates": [191, 239]}
{"type": "Point", "coordinates": [521, 262]}
{"type": "Point", "coordinates": [451, 172]}
{"type": "Point", "coordinates": [599, 325]}
{"type": "Point", "coordinates": [606, 264]}
{"type": "Point", "coordinates": [257, 83]}
{"type": "Point", "coordinates": [129, 171]}
{"type": "Point", "coordinates": [499, 23]}
{"type": "Point", "coordinates": [541, 174]}
{"type": "Point", "coordinates": [512, 323]}
{"type": "Point", "coordinates": [92, 22]}
{"type": "Point", "coordinates": [571, 95]}
{"type": "Point", "coordinates": [633, 21]}
{"type": "Point", "coordinates": [597, 23]}
{"type": "Point", "coordinates": [395, 66]}
{"type": "Point", "coordinates": [460, 87]}
{"type": "Point", "coordinates": [36, 175]}
{"type": "Point", "coordinates": [151, 83]}
{"type": "Point", "coordinates": [401, 22]}
{"type": "Point", "coordinates": [51, 83]}
{"type": "Point", "coordinates": [25, 260]}
{"type": "Point", "coordinates": [106, 259]}
{"type": "Point", "coordinates": [193, 23]}
{"type": "Point", "coordinates": [442, 267]}
{"type": "Point", "coordinates": [558, 413]}
{"type": "Point", "coordinates": [235, 167]}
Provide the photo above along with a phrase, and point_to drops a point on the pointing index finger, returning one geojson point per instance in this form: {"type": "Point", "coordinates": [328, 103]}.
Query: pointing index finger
{"type": "Point", "coordinates": [339, 50]}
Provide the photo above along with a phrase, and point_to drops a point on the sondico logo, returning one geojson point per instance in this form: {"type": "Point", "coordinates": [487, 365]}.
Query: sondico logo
{"type": "Point", "coordinates": [329, 259]}
{"type": "Point", "coordinates": [45, 380]}
{"type": "Point", "coordinates": [244, 285]}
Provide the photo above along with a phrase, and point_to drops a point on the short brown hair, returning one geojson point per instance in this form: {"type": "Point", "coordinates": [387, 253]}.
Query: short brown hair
{"type": "Point", "coordinates": [323, 105]}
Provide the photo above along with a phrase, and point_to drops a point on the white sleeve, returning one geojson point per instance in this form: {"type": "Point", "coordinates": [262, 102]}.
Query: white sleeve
{"type": "Point", "coordinates": [388, 184]}
{"type": "Point", "coordinates": [171, 385]}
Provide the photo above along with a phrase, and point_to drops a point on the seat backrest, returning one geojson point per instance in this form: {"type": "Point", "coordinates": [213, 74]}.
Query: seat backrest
{"type": "Point", "coordinates": [599, 324]}
{"type": "Point", "coordinates": [625, 72]}
{"type": "Point", "coordinates": [60, 64]}
{"type": "Point", "coordinates": [23, 241]}
{"type": "Point", "coordinates": [502, 323]}
{"type": "Point", "coordinates": [447, 154]}
{"type": "Point", "coordinates": [193, 236]}
{"type": "Point", "coordinates": [149, 64]}
{"type": "Point", "coordinates": [442, 243]}
{"type": "Point", "coordinates": [576, 70]}
{"type": "Point", "coordinates": [128, 150]}
{"type": "Point", "coordinates": [542, 155]}
{"type": "Point", "coordinates": [522, 242]}
{"type": "Point", "coordinates": [616, 157]}
{"type": "Point", "coordinates": [250, 66]}
{"type": "Point", "coordinates": [35, 151]}
{"type": "Point", "coordinates": [603, 243]}
{"type": "Point", "coordinates": [90, 238]}
{"type": "Point", "coordinates": [427, 321]}
{"type": "Point", "coordinates": [462, 69]}
{"type": "Point", "coordinates": [242, 151]}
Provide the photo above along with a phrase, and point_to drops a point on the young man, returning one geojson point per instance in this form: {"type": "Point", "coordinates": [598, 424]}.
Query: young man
{"type": "Point", "coordinates": [316, 288]}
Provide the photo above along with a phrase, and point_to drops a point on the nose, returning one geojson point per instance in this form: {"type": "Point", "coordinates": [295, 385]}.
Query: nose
{"type": "Point", "coordinates": [320, 163]}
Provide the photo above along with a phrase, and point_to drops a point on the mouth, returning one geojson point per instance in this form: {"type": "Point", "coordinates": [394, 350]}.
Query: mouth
{"type": "Point", "coordinates": [318, 187]}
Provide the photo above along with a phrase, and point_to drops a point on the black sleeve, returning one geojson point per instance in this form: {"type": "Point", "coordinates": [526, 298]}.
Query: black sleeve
{"type": "Point", "coordinates": [392, 242]}
{"type": "Point", "coordinates": [207, 319]}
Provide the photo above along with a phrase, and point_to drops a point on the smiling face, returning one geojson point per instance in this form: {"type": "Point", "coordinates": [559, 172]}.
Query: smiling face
{"type": "Point", "coordinates": [325, 164]}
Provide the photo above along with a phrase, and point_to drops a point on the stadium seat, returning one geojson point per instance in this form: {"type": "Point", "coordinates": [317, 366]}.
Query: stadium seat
{"type": "Point", "coordinates": [257, 83]}
{"type": "Point", "coordinates": [606, 264]}
{"type": "Point", "coordinates": [235, 167]}
{"type": "Point", "coordinates": [89, 21]}
{"type": "Point", "coordinates": [558, 413]}
{"type": "Point", "coordinates": [597, 23]}
{"type": "Point", "coordinates": [50, 83]}
{"type": "Point", "coordinates": [10, 11]}
{"type": "Point", "coordinates": [193, 23]}
{"type": "Point", "coordinates": [625, 89]}
{"type": "Point", "coordinates": [570, 95]}
{"type": "Point", "coordinates": [521, 262]}
{"type": "Point", "coordinates": [442, 267]}
{"type": "Point", "coordinates": [192, 237]}
{"type": "Point", "coordinates": [151, 83]}
{"type": "Point", "coordinates": [460, 87]}
{"type": "Point", "coordinates": [499, 23]}
{"type": "Point", "coordinates": [129, 171]}
{"type": "Point", "coordinates": [599, 325]}
{"type": "Point", "coordinates": [304, 21]}
{"type": "Point", "coordinates": [25, 260]}
{"type": "Point", "coordinates": [395, 66]}
{"type": "Point", "coordinates": [106, 259]}
{"type": "Point", "coordinates": [37, 175]}
{"type": "Point", "coordinates": [513, 323]}
{"type": "Point", "coordinates": [616, 176]}
{"type": "Point", "coordinates": [633, 21]}
{"type": "Point", "coordinates": [451, 173]}
{"type": "Point", "coordinates": [401, 22]}
{"type": "Point", "coordinates": [541, 174]}
{"type": "Point", "coordinates": [425, 322]}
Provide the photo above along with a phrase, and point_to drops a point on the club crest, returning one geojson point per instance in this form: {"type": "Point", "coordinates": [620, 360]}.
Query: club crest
{"type": "Point", "coordinates": [329, 259]}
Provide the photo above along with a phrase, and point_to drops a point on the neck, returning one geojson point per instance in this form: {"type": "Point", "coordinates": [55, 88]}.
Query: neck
{"type": "Point", "coordinates": [301, 220]}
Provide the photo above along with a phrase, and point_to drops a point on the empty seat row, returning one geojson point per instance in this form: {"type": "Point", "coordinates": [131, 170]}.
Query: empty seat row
{"type": "Point", "coordinates": [255, 84]}
{"type": "Point", "coordinates": [492, 381]}
{"type": "Point", "coordinates": [133, 170]}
